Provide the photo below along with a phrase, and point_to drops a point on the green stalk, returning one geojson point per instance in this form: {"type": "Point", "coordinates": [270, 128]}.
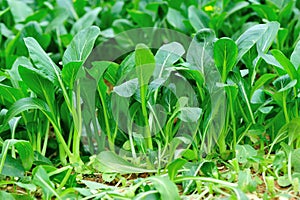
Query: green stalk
{"type": "Point", "coordinates": [285, 109]}
{"type": "Point", "coordinates": [296, 103]}
{"type": "Point", "coordinates": [106, 121]}
{"type": "Point", "coordinates": [143, 90]}
{"type": "Point", "coordinates": [233, 122]}
{"type": "Point", "coordinates": [45, 144]}
{"type": "Point", "coordinates": [77, 125]}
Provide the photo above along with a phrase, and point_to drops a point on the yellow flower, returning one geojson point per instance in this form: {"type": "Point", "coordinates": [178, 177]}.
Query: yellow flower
{"type": "Point", "coordinates": [209, 8]}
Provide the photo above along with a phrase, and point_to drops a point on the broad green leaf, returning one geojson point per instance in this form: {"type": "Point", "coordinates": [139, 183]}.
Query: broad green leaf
{"type": "Point", "coordinates": [12, 167]}
{"type": "Point", "coordinates": [111, 74]}
{"type": "Point", "coordinates": [85, 21]}
{"type": "Point", "coordinates": [265, 11]}
{"type": "Point", "coordinates": [27, 186]}
{"type": "Point", "coordinates": [270, 59]}
{"type": "Point", "coordinates": [175, 18]}
{"type": "Point", "coordinates": [209, 169]}
{"type": "Point", "coordinates": [249, 38]}
{"type": "Point", "coordinates": [6, 196]}
{"type": "Point", "coordinates": [295, 57]}
{"type": "Point", "coordinates": [39, 159]}
{"type": "Point", "coordinates": [268, 37]}
{"type": "Point", "coordinates": [197, 18]}
{"type": "Point", "coordinates": [10, 94]}
{"type": "Point", "coordinates": [19, 10]}
{"type": "Point", "coordinates": [296, 160]}
{"type": "Point", "coordinates": [41, 86]}
{"type": "Point", "coordinates": [145, 63]}
{"type": "Point", "coordinates": [174, 166]}
{"type": "Point", "coordinates": [25, 152]}
{"type": "Point", "coordinates": [68, 5]}
{"type": "Point", "coordinates": [109, 162]}
{"type": "Point", "coordinates": [293, 130]}
{"type": "Point", "coordinates": [92, 185]}
{"type": "Point", "coordinates": [141, 18]}
{"type": "Point", "coordinates": [225, 55]}
{"type": "Point", "coordinates": [70, 72]}
{"type": "Point", "coordinates": [81, 46]}
{"type": "Point", "coordinates": [25, 104]}
{"type": "Point", "coordinates": [100, 67]}
{"type": "Point", "coordinates": [244, 152]}
{"type": "Point", "coordinates": [127, 89]}
{"type": "Point", "coordinates": [41, 60]}
{"type": "Point", "coordinates": [190, 114]}
{"type": "Point", "coordinates": [261, 81]}
{"type": "Point", "coordinates": [166, 188]}
{"type": "Point", "coordinates": [60, 17]}
{"type": "Point", "coordinates": [285, 63]}
{"type": "Point", "coordinates": [200, 52]}
{"type": "Point", "coordinates": [41, 179]}
{"type": "Point", "coordinates": [166, 56]}
{"type": "Point", "coordinates": [14, 71]}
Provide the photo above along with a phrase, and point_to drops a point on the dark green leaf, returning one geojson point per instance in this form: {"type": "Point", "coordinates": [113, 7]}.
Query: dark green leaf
{"type": "Point", "coordinates": [41, 178]}
{"type": "Point", "coordinates": [174, 166]}
{"type": "Point", "coordinates": [225, 55]}
{"type": "Point", "coordinates": [70, 72]}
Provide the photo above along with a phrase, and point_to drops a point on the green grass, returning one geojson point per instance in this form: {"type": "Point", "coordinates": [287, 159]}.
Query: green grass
{"type": "Point", "coordinates": [149, 99]}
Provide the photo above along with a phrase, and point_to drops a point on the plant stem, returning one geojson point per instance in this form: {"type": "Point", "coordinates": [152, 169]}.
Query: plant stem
{"type": "Point", "coordinates": [143, 90]}
{"type": "Point", "coordinates": [285, 109]}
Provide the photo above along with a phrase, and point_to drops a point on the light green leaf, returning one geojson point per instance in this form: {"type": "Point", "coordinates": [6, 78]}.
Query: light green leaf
{"type": "Point", "coordinates": [285, 63]}
{"type": "Point", "coordinates": [85, 21]}
{"type": "Point", "coordinates": [81, 46]}
{"type": "Point", "coordinates": [166, 188]}
{"type": "Point", "coordinates": [19, 10]}
{"type": "Point", "coordinates": [175, 18]}
{"type": "Point", "coordinates": [190, 114]}
{"type": "Point", "coordinates": [41, 179]}
{"type": "Point", "coordinates": [145, 63]}
{"type": "Point", "coordinates": [197, 18]}
{"type": "Point", "coordinates": [60, 17]}
{"type": "Point", "coordinates": [25, 152]}
{"type": "Point", "coordinates": [249, 38]}
{"type": "Point", "coordinates": [6, 196]}
{"type": "Point", "coordinates": [166, 56]}
{"type": "Point", "coordinates": [127, 89]}
{"type": "Point", "coordinates": [109, 162]}
{"type": "Point", "coordinates": [41, 60]}
{"type": "Point", "coordinates": [244, 152]}
{"type": "Point", "coordinates": [267, 38]}
{"type": "Point", "coordinates": [295, 57]}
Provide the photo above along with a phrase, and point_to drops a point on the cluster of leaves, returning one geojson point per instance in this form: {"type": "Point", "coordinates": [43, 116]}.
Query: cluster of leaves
{"type": "Point", "coordinates": [248, 52]}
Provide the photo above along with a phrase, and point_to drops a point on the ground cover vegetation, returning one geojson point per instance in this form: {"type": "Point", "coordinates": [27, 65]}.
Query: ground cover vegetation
{"type": "Point", "coordinates": [149, 99]}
